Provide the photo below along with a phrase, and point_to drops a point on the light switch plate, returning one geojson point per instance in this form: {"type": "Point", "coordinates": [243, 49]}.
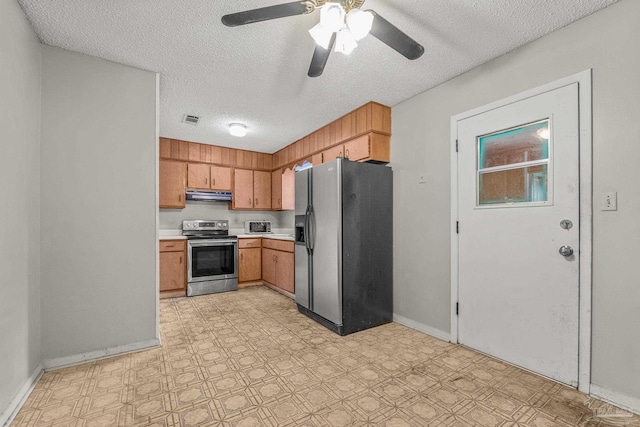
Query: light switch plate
{"type": "Point", "coordinates": [610, 201]}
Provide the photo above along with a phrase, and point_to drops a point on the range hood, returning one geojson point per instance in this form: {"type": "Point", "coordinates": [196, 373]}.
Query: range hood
{"type": "Point", "coordinates": [209, 196]}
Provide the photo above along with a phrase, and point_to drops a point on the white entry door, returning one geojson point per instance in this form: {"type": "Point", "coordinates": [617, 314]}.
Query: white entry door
{"type": "Point", "coordinates": [518, 200]}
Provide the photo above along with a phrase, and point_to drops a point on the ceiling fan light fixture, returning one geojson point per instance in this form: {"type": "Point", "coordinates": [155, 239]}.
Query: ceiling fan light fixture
{"type": "Point", "coordinates": [345, 41]}
{"type": "Point", "coordinates": [237, 129]}
{"type": "Point", "coordinates": [321, 35]}
{"type": "Point", "coordinates": [359, 22]}
{"type": "Point", "coordinates": [332, 16]}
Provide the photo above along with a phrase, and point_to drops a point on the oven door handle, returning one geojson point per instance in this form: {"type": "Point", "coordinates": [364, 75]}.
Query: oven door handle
{"type": "Point", "coordinates": [201, 243]}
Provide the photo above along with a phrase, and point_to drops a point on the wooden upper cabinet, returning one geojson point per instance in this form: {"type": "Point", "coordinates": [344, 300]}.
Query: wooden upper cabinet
{"type": "Point", "coordinates": [172, 185]}
{"type": "Point", "coordinates": [370, 147]}
{"type": "Point", "coordinates": [276, 189]}
{"type": "Point", "coordinates": [205, 177]}
{"type": "Point", "coordinates": [198, 176]}
{"type": "Point", "coordinates": [332, 153]}
{"type": "Point", "coordinates": [165, 148]}
{"type": "Point", "coordinates": [242, 189]}
{"type": "Point", "coordinates": [317, 159]}
{"type": "Point", "coordinates": [179, 150]}
{"type": "Point", "coordinates": [288, 186]}
{"type": "Point", "coordinates": [220, 178]}
{"type": "Point", "coordinates": [261, 190]}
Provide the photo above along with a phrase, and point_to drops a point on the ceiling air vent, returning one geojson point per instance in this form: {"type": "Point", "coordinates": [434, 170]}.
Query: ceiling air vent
{"type": "Point", "coordinates": [191, 119]}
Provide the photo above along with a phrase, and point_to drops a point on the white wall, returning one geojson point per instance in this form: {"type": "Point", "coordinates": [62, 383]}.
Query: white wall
{"type": "Point", "coordinates": [98, 186]}
{"type": "Point", "coordinates": [20, 71]}
{"type": "Point", "coordinates": [606, 42]}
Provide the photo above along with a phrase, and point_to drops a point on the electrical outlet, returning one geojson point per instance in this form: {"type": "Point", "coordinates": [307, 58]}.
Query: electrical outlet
{"type": "Point", "coordinates": [610, 201]}
{"type": "Point", "coordinates": [423, 178]}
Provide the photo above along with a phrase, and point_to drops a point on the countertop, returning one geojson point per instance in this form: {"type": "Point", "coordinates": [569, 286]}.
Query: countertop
{"type": "Point", "coordinates": [288, 237]}
{"type": "Point", "coordinates": [177, 235]}
{"type": "Point", "coordinates": [171, 235]}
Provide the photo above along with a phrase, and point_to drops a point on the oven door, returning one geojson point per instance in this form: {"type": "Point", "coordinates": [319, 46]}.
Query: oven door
{"type": "Point", "coordinates": [212, 259]}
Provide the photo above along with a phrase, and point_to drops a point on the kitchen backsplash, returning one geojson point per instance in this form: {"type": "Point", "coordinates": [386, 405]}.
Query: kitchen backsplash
{"type": "Point", "coordinates": [171, 219]}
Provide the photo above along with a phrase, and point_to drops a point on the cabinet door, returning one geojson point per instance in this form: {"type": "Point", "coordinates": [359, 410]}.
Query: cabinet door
{"type": "Point", "coordinates": [172, 184]}
{"type": "Point", "coordinates": [220, 178]}
{"type": "Point", "coordinates": [276, 189]}
{"type": "Point", "coordinates": [261, 190]}
{"type": "Point", "coordinates": [358, 149]}
{"type": "Point", "coordinates": [285, 271]}
{"type": "Point", "coordinates": [250, 264]}
{"type": "Point", "coordinates": [317, 159]}
{"type": "Point", "coordinates": [269, 265]}
{"type": "Point", "coordinates": [288, 188]}
{"type": "Point", "coordinates": [243, 189]}
{"type": "Point", "coordinates": [332, 153]}
{"type": "Point", "coordinates": [198, 176]}
{"type": "Point", "coordinates": [172, 271]}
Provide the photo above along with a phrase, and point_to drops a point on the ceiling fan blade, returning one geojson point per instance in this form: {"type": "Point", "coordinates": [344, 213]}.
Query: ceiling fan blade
{"type": "Point", "coordinates": [320, 58]}
{"type": "Point", "coordinates": [390, 35]}
{"type": "Point", "coordinates": [264, 14]}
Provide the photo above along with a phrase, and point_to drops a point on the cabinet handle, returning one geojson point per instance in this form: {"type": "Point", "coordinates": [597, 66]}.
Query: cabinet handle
{"type": "Point", "coordinates": [256, 202]}
{"type": "Point", "coordinates": [214, 181]}
{"type": "Point", "coordinates": [241, 256]}
{"type": "Point", "coordinates": [180, 259]}
{"type": "Point", "coordinates": [347, 153]}
{"type": "Point", "coordinates": [206, 181]}
{"type": "Point", "coordinates": [249, 201]}
{"type": "Point", "coordinates": [169, 246]}
{"type": "Point", "coordinates": [179, 197]}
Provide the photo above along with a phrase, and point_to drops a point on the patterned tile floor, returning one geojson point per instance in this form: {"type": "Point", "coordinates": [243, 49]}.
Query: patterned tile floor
{"type": "Point", "coordinates": [248, 358]}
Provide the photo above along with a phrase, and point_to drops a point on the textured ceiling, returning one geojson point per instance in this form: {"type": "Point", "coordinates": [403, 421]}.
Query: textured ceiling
{"type": "Point", "coordinates": [257, 74]}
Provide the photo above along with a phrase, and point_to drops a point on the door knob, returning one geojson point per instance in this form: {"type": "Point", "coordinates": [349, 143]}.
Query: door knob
{"type": "Point", "coordinates": [566, 251]}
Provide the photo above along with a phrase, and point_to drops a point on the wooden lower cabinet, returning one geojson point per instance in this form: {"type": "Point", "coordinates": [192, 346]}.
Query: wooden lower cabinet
{"type": "Point", "coordinates": [278, 264]}
{"type": "Point", "coordinates": [173, 268]}
{"type": "Point", "coordinates": [250, 260]}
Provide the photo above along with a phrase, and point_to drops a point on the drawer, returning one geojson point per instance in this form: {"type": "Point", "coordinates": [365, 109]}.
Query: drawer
{"type": "Point", "coordinates": [278, 245]}
{"type": "Point", "coordinates": [173, 245]}
{"type": "Point", "coordinates": [249, 243]}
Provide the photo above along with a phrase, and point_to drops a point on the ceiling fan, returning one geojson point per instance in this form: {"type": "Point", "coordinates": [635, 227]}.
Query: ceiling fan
{"type": "Point", "coordinates": [342, 24]}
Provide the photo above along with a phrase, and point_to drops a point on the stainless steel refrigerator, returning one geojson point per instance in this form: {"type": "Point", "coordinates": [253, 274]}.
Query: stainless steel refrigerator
{"type": "Point", "coordinates": [344, 243]}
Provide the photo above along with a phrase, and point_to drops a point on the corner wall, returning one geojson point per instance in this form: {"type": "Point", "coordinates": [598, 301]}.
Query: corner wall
{"type": "Point", "coordinates": [606, 42]}
{"type": "Point", "coordinates": [99, 211]}
{"type": "Point", "coordinates": [20, 73]}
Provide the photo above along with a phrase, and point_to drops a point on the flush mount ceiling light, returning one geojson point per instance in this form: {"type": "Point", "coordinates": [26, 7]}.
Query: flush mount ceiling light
{"type": "Point", "coordinates": [238, 129]}
{"type": "Point", "coordinates": [342, 24]}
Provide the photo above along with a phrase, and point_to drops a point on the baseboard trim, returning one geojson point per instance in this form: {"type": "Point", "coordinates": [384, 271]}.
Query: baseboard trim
{"type": "Point", "coordinates": [618, 399]}
{"type": "Point", "coordinates": [10, 412]}
{"type": "Point", "coordinates": [436, 333]}
{"type": "Point", "coordinates": [77, 359]}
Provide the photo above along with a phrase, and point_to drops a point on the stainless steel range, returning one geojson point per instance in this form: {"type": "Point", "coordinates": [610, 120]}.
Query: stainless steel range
{"type": "Point", "coordinates": [212, 257]}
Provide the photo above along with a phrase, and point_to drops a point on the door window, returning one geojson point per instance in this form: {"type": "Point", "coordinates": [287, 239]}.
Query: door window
{"type": "Point", "coordinates": [513, 166]}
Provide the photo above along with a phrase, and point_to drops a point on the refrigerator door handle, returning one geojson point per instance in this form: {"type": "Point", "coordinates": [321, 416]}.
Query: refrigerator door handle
{"type": "Point", "coordinates": [306, 230]}
{"type": "Point", "coordinates": [312, 228]}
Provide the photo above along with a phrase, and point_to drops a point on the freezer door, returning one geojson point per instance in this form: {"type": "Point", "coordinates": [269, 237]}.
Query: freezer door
{"type": "Point", "coordinates": [302, 191]}
{"type": "Point", "coordinates": [302, 276]}
{"type": "Point", "coordinates": [326, 237]}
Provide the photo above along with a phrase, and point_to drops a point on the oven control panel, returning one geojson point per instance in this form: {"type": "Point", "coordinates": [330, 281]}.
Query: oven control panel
{"type": "Point", "coordinates": [205, 225]}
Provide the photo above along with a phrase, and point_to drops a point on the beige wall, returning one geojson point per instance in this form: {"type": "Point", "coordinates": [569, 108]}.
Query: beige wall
{"type": "Point", "coordinates": [607, 42]}
{"type": "Point", "coordinates": [99, 211]}
{"type": "Point", "coordinates": [20, 71]}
